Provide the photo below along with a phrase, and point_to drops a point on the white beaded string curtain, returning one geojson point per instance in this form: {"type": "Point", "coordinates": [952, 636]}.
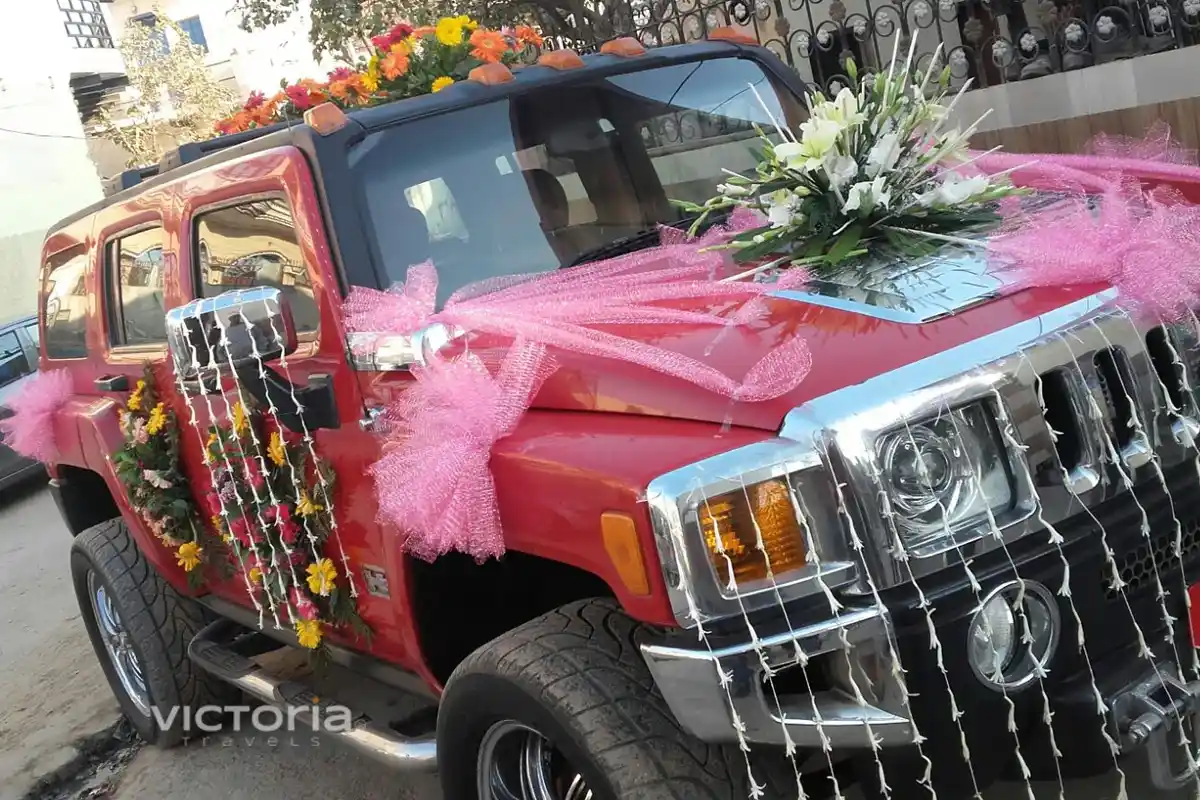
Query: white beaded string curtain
{"type": "Point", "coordinates": [1033, 737]}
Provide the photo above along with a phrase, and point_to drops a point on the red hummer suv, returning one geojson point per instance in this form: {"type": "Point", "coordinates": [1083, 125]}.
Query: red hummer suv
{"type": "Point", "coordinates": [574, 667]}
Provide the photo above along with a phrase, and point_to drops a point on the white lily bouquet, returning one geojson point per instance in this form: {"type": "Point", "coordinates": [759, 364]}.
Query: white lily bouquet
{"type": "Point", "coordinates": [872, 168]}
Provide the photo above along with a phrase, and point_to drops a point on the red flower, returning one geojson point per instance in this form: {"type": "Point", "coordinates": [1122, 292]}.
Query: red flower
{"type": "Point", "coordinates": [244, 532]}
{"type": "Point", "coordinates": [341, 74]}
{"type": "Point", "coordinates": [304, 606]}
{"type": "Point", "coordinates": [252, 473]}
{"type": "Point", "coordinates": [281, 517]}
{"type": "Point", "coordinates": [212, 502]}
{"type": "Point", "coordinates": [299, 97]}
{"type": "Point", "coordinates": [399, 33]}
{"type": "Point", "coordinates": [255, 100]}
{"type": "Point", "coordinates": [402, 31]}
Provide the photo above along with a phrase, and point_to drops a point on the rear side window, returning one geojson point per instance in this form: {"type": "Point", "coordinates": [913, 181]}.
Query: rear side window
{"type": "Point", "coordinates": [65, 312]}
{"type": "Point", "coordinates": [255, 244]}
{"type": "Point", "coordinates": [137, 313]}
{"type": "Point", "coordinates": [14, 362]}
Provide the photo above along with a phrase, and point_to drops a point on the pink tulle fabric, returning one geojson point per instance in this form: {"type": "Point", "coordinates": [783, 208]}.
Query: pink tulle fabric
{"type": "Point", "coordinates": [433, 480]}
{"type": "Point", "coordinates": [1124, 221]}
{"type": "Point", "coordinates": [30, 429]}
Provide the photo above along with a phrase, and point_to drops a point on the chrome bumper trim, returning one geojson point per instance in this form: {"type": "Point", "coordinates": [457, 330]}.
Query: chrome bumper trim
{"type": "Point", "coordinates": [690, 681]}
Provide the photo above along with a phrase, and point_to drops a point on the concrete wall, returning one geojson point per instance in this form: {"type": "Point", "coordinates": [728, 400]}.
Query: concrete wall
{"type": "Point", "coordinates": [45, 171]}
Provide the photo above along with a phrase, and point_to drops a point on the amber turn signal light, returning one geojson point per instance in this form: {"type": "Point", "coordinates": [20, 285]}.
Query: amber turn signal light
{"type": "Point", "coordinates": [621, 544]}
{"type": "Point", "coordinates": [325, 118]}
{"type": "Point", "coordinates": [560, 59]}
{"type": "Point", "coordinates": [733, 522]}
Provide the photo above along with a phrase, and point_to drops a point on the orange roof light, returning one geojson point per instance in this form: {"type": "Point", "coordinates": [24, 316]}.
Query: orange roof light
{"type": "Point", "coordinates": [560, 59]}
{"type": "Point", "coordinates": [623, 548]}
{"type": "Point", "coordinates": [626, 47]}
{"type": "Point", "coordinates": [728, 34]}
{"type": "Point", "coordinates": [492, 74]}
{"type": "Point", "coordinates": [325, 118]}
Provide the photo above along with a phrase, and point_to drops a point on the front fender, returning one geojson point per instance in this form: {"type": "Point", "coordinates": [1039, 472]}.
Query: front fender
{"type": "Point", "coordinates": [559, 471]}
{"type": "Point", "coordinates": [88, 433]}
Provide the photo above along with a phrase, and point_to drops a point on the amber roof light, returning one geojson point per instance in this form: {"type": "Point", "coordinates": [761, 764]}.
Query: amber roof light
{"type": "Point", "coordinates": [625, 47]}
{"type": "Point", "coordinates": [560, 59]}
{"type": "Point", "coordinates": [490, 74]}
{"type": "Point", "coordinates": [325, 118]}
{"type": "Point", "coordinates": [728, 34]}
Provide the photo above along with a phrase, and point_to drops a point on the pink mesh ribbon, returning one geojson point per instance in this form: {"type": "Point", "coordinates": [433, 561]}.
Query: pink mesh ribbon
{"type": "Point", "coordinates": [433, 480]}
{"type": "Point", "coordinates": [30, 429]}
{"type": "Point", "coordinates": [1126, 220]}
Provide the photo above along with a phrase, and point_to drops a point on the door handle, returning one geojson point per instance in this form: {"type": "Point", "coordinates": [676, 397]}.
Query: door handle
{"type": "Point", "coordinates": [112, 383]}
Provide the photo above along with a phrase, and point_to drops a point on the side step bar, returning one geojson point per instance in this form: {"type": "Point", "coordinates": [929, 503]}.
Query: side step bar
{"type": "Point", "coordinates": [367, 737]}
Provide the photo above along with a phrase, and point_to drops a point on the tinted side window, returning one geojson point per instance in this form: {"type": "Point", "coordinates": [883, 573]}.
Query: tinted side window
{"type": "Point", "coordinates": [65, 313]}
{"type": "Point", "coordinates": [13, 361]}
{"type": "Point", "coordinates": [138, 313]}
{"type": "Point", "coordinates": [255, 244]}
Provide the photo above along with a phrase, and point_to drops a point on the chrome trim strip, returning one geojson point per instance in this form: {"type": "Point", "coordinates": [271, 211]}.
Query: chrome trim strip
{"type": "Point", "coordinates": [392, 352]}
{"type": "Point", "coordinates": [689, 681]}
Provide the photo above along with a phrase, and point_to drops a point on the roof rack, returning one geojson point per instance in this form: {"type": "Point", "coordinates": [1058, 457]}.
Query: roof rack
{"type": "Point", "coordinates": [184, 154]}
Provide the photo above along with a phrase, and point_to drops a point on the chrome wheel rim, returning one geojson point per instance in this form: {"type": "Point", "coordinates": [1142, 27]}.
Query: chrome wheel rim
{"type": "Point", "coordinates": [118, 645]}
{"type": "Point", "coordinates": [518, 763]}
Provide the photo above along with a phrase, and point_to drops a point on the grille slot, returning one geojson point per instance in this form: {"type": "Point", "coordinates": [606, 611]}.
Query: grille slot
{"type": "Point", "coordinates": [1118, 387]}
{"type": "Point", "coordinates": [1169, 369]}
{"type": "Point", "coordinates": [1136, 566]}
{"type": "Point", "coordinates": [1059, 411]}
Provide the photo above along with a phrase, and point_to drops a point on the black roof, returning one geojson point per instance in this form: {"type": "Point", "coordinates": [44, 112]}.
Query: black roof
{"type": "Point", "coordinates": [199, 155]}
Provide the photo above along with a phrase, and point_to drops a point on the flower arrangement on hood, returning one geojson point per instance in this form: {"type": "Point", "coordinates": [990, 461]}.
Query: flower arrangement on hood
{"type": "Point", "coordinates": [875, 166]}
{"type": "Point", "coordinates": [406, 62]}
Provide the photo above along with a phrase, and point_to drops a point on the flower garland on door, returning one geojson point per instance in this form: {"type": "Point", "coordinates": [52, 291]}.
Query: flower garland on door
{"type": "Point", "coordinates": [299, 576]}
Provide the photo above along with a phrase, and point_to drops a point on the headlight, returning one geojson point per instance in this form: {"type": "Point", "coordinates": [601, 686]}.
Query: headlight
{"type": "Point", "coordinates": [944, 474]}
{"type": "Point", "coordinates": [733, 524]}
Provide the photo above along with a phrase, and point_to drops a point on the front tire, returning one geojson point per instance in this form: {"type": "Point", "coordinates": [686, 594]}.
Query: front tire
{"type": "Point", "coordinates": [140, 628]}
{"type": "Point", "coordinates": [566, 703]}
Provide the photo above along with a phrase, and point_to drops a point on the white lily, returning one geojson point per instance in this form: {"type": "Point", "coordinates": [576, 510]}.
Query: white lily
{"type": "Point", "coordinates": [866, 196]}
{"type": "Point", "coordinates": [783, 208]}
{"type": "Point", "coordinates": [844, 110]}
{"type": "Point", "coordinates": [883, 155]}
{"type": "Point", "coordinates": [954, 191]}
{"type": "Point", "coordinates": [817, 138]}
{"type": "Point", "coordinates": [733, 190]}
{"type": "Point", "coordinates": [841, 170]}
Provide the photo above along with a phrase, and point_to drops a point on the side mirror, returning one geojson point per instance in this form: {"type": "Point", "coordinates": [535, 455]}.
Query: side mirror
{"type": "Point", "coordinates": [229, 332]}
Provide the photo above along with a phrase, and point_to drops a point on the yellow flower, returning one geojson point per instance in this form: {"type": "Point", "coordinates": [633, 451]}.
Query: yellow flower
{"type": "Point", "coordinates": [241, 422]}
{"type": "Point", "coordinates": [308, 631]}
{"type": "Point", "coordinates": [255, 575]}
{"type": "Point", "coordinates": [370, 78]}
{"type": "Point", "coordinates": [158, 419]}
{"type": "Point", "coordinates": [212, 439]}
{"type": "Point", "coordinates": [276, 450]}
{"type": "Point", "coordinates": [321, 577]}
{"type": "Point", "coordinates": [305, 507]}
{"type": "Point", "coordinates": [467, 22]}
{"type": "Point", "coordinates": [449, 30]}
{"type": "Point", "coordinates": [134, 403]}
{"type": "Point", "coordinates": [442, 83]}
{"type": "Point", "coordinates": [188, 555]}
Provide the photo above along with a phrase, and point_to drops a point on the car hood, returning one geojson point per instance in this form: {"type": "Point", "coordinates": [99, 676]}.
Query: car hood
{"type": "Point", "coordinates": [857, 325]}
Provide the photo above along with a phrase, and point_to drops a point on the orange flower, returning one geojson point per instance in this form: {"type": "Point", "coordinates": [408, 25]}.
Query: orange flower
{"type": "Point", "coordinates": [348, 90]}
{"type": "Point", "coordinates": [396, 62]}
{"type": "Point", "coordinates": [489, 46]}
{"type": "Point", "coordinates": [424, 30]}
{"type": "Point", "coordinates": [527, 36]}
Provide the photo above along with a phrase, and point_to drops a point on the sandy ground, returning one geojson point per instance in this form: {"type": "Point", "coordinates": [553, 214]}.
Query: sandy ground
{"type": "Point", "coordinates": [53, 695]}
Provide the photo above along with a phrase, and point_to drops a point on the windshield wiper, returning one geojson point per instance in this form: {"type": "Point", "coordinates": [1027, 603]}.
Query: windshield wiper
{"type": "Point", "coordinates": [617, 247]}
{"type": "Point", "coordinates": [641, 239]}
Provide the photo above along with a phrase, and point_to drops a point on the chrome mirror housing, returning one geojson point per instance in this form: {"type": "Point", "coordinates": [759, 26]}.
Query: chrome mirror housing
{"type": "Point", "coordinates": [233, 330]}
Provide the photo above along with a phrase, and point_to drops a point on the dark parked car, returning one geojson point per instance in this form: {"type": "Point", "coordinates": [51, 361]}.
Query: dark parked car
{"type": "Point", "coordinates": [18, 363]}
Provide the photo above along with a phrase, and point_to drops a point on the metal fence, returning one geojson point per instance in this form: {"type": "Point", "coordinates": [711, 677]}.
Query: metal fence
{"type": "Point", "coordinates": [989, 41]}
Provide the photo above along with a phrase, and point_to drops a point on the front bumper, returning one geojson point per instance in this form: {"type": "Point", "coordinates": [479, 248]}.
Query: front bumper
{"type": "Point", "coordinates": [821, 708]}
{"type": "Point", "coordinates": [690, 679]}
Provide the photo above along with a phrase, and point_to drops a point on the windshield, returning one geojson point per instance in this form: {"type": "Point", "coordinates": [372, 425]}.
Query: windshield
{"type": "Point", "coordinates": [551, 177]}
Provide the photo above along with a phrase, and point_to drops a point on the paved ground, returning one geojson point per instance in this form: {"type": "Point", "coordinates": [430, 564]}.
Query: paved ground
{"type": "Point", "coordinates": [53, 695]}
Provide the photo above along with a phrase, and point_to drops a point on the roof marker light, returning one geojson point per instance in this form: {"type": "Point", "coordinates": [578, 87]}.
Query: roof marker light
{"type": "Point", "coordinates": [728, 34]}
{"type": "Point", "coordinates": [325, 119]}
{"type": "Point", "coordinates": [560, 59]}
{"type": "Point", "coordinates": [625, 47]}
{"type": "Point", "coordinates": [492, 74]}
